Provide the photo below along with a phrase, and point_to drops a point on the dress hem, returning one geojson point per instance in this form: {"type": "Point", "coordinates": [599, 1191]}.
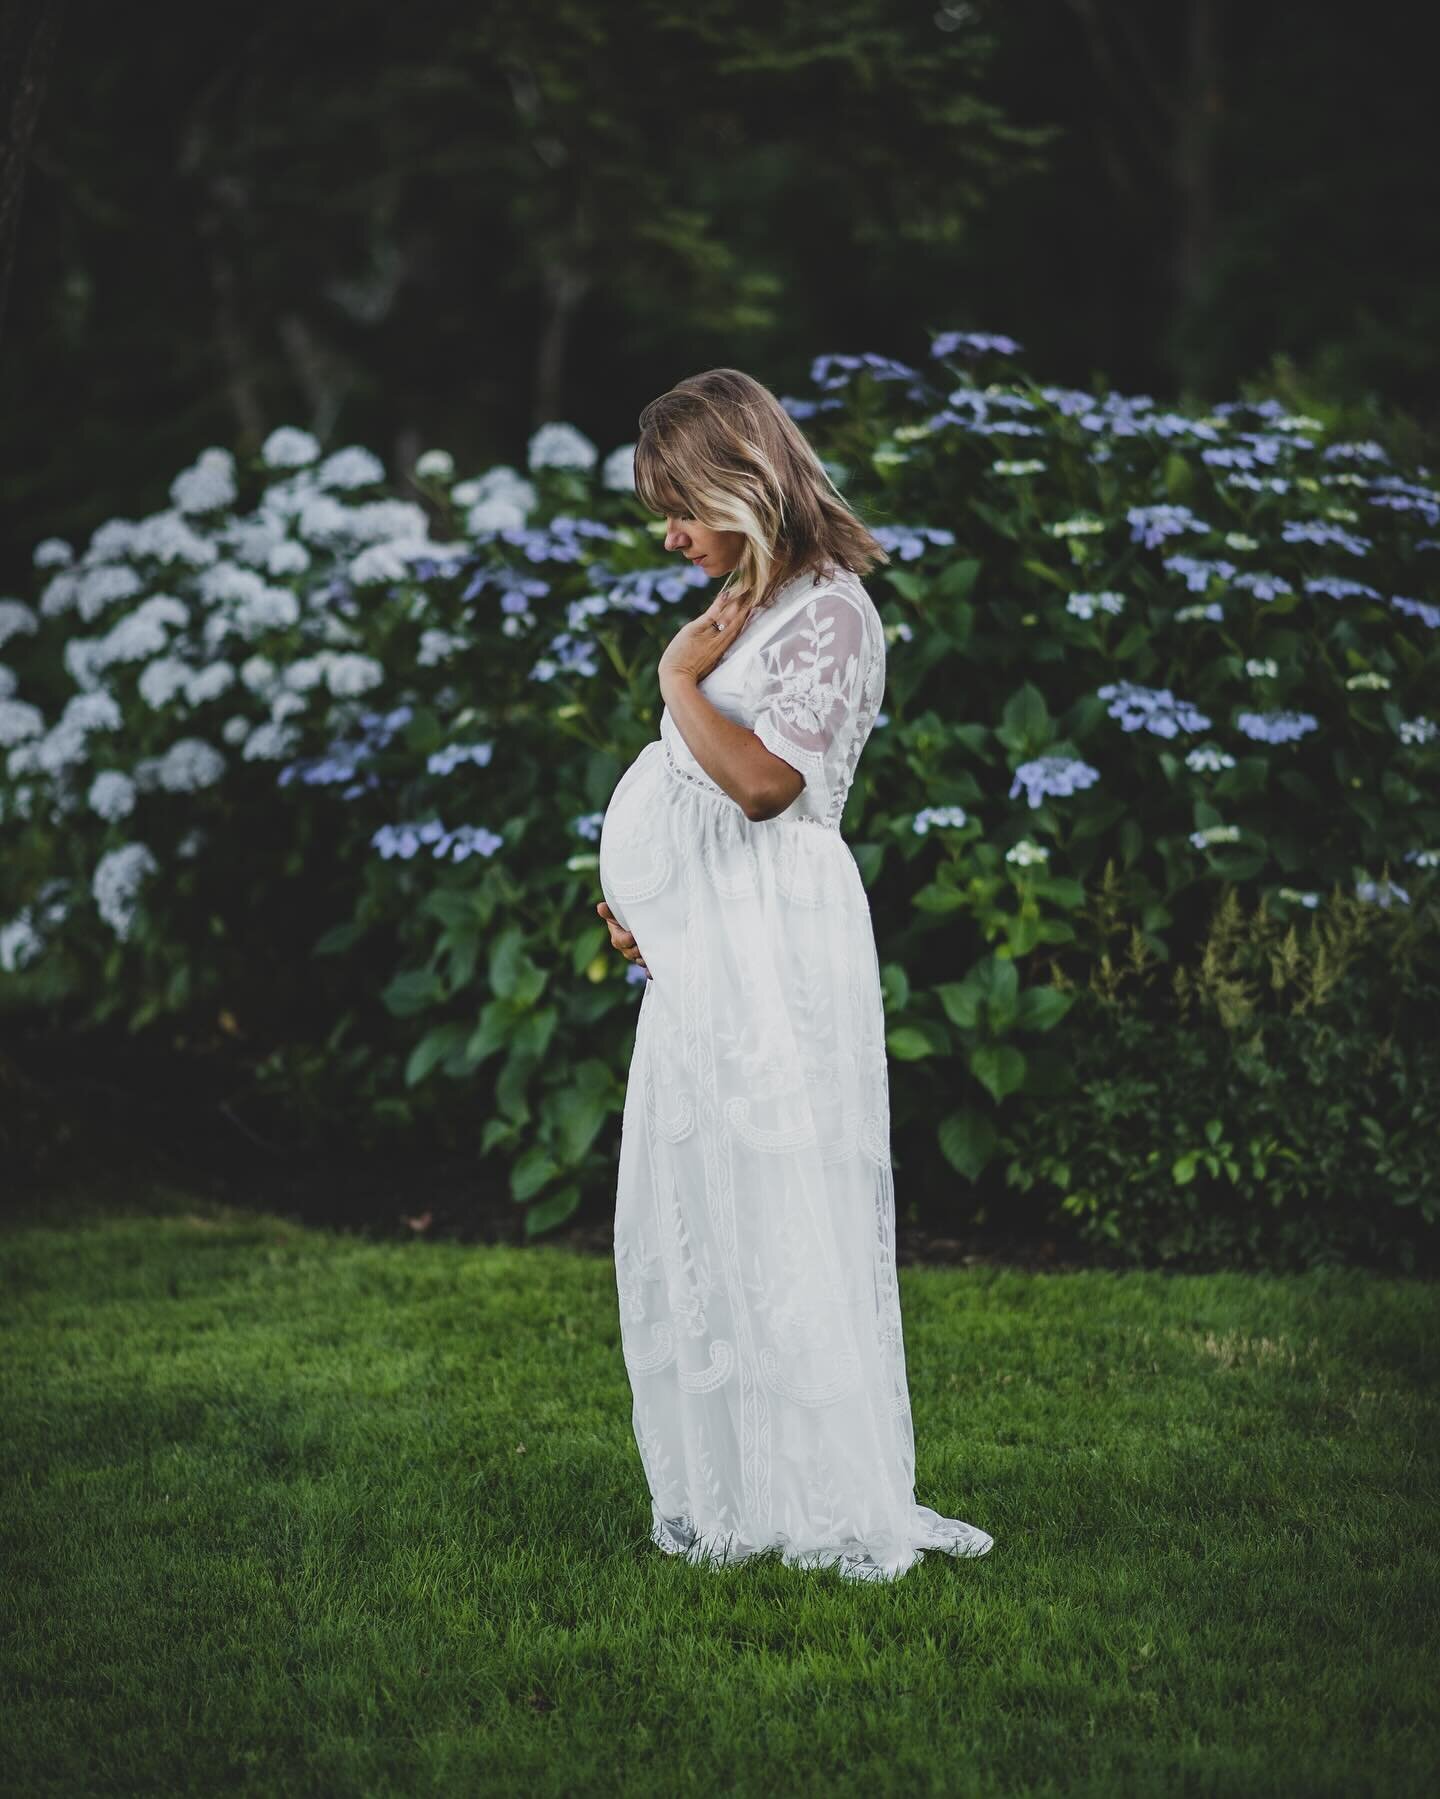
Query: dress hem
{"type": "Point", "coordinates": [947, 1536]}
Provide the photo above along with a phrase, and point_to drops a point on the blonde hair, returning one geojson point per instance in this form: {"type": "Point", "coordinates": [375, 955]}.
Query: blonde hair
{"type": "Point", "coordinates": [719, 448]}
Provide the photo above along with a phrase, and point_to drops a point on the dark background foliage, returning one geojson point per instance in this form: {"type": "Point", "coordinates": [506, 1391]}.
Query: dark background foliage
{"type": "Point", "coordinates": [444, 223]}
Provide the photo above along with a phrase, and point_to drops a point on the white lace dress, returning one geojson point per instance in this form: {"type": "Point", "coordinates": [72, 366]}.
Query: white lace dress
{"type": "Point", "coordinates": [755, 1212]}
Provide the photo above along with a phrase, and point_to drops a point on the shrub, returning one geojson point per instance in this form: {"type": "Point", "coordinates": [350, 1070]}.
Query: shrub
{"type": "Point", "coordinates": [327, 783]}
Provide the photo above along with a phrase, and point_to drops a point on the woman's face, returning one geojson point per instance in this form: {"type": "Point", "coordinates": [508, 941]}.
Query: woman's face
{"type": "Point", "coordinates": [716, 552]}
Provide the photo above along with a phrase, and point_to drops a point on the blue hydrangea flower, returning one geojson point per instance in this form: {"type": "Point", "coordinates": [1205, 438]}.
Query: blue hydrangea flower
{"type": "Point", "coordinates": [1276, 727]}
{"type": "Point", "coordinates": [974, 343]}
{"type": "Point", "coordinates": [443, 762]}
{"type": "Point", "coordinates": [1337, 587]}
{"type": "Point", "coordinates": [1197, 571]}
{"type": "Point", "coordinates": [1052, 775]}
{"type": "Point", "coordinates": [1428, 615]}
{"type": "Point", "coordinates": [1314, 530]}
{"type": "Point", "coordinates": [1151, 525]}
{"type": "Point", "coordinates": [588, 825]}
{"type": "Point", "coordinates": [942, 817]}
{"type": "Point", "coordinates": [1381, 893]}
{"type": "Point", "coordinates": [908, 541]}
{"type": "Point", "coordinates": [1154, 709]}
{"type": "Point", "coordinates": [1264, 587]}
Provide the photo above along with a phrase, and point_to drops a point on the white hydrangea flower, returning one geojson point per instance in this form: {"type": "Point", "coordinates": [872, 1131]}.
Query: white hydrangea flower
{"type": "Point", "coordinates": [192, 842]}
{"type": "Point", "coordinates": [558, 445]}
{"type": "Point", "coordinates": [323, 520]}
{"type": "Point", "coordinates": [235, 729]}
{"type": "Point", "coordinates": [388, 561]}
{"type": "Point", "coordinates": [53, 552]}
{"type": "Point", "coordinates": [190, 764]}
{"type": "Point", "coordinates": [289, 447]}
{"type": "Point", "coordinates": [435, 465]}
{"type": "Point", "coordinates": [285, 705]}
{"type": "Point", "coordinates": [350, 674]}
{"type": "Point", "coordinates": [134, 638]}
{"type": "Point", "coordinates": [207, 485]}
{"type": "Point", "coordinates": [84, 659]}
{"type": "Point", "coordinates": [20, 943]}
{"type": "Point", "coordinates": [103, 586]}
{"type": "Point", "coordinates": [117, 881]}
{"type": "Point", "coordinates": [168, 537]}
{"type": "Point", "coordinates": [618, 470]}
{"type": "Point", "coordinates": [226, 584]}
{"type": "Point", "coordinates": [24, 759]}
{"type": "Point", "coordinates": [382, 521]}
{"type": "Point", "coordinates": [270, 741]}
{"type": "Point", "coordinates": [97, 711]}
{"type": "Point", "coordinates": [113, 541]}
{"type": "Point", "coordinates": [112, 794]}
{"type": "Point", "coordinates": [499, 483]}
{"type": "Point", "coordinates": [497, 514]}
{"type": "Point", "coordinates": [18, 720]}
{"type": "Point", "coordinates": [63, 746]}
{"type": "Point", "coordinates": [438, 646]}
{"type": "Point", "coordinates": [253, 539]}
{"type": "Point", "coordinates": [259, 674]}
{"type": "Point", "coordinates": [354, 466]}
{"type": "Point", "coordinates": [271, 609]}
{"type": "Point", "coordinates": [16, 619]}
{"type": "Point", "coordinates": [163, 679]}
{"type": "Point", "coordinates": [308, 671]}
{"type": "Point", "coordinates": [287, 558]}
{"type": "Point", "coordinates": [58, 594]}
{"type": "Point", "coordinates": [210, 682]}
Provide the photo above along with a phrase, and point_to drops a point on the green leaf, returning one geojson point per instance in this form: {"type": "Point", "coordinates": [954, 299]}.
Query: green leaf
{"type": "Point", "coordinates": [507, 958]}
{"type": "Point", "coordinates": [491, 1033]}
{"type": "Point", "coordinates": [937, 898]}
{"type": "Point", "coordinates": [432, 1048]}
{"type": "Point", "coordinates": [909, 1044]}
{"type": "Point", "coordinates": [339, 938]}
{"type": "Point", "coordinates": [967, 1140]}
{"type": "Point", "coordinates": [578, 1118]}
{"type": "Point", "coordinates": [1042, 1008]}
{"type": "Point", "coordinates": [531, 1172]}
{"type": "Point", "coordinates": [545, 1214]}
{"type": "Point", "coordinates": [958, 579]}
{"type": "Point", "coordinates": [1184, 1169]}
{"type": "Point", "coordinates": [413, 991]}
{"type": "Point", "coordinates": [998, 1067]}
{"type": "Point", "coordinates": [961, 1000]}
{"type": "Point", "coordinates": [1027, 719]}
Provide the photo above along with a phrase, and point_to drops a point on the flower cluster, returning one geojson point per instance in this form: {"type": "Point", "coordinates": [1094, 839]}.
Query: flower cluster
{"type": "Point", "coordinates": [939, 817]}
{"type": "Point", "coordinates": [1057, 776]}
{"type": "Point", "coordinates": [1153, 709]}
{"type": "Point", "coordinates": [1276, 727]}
{"type": "Point", "coordinates": [1085, 605]}
{"type": "Point", "coordinates": [407, 840]}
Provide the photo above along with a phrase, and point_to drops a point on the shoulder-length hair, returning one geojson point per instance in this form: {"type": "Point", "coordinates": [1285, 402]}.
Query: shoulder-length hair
{"type": "Point", "coordinates": [720, 449]}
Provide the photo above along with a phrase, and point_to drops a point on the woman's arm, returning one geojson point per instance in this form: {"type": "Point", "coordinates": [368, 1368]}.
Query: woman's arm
{"type": "Point", "coordinates": [734, 758]}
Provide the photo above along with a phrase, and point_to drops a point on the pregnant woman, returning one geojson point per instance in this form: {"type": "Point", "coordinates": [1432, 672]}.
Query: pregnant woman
{"type": "Point", "coordinates": [755, 1212]}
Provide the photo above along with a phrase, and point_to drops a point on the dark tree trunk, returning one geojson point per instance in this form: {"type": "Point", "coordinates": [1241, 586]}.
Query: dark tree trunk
{"type": "Point", "coordinates": [29, 33]}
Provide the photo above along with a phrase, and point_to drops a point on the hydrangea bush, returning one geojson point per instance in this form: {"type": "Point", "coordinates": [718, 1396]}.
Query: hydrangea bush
{"type": "Point", "coordinates": [296, 738]}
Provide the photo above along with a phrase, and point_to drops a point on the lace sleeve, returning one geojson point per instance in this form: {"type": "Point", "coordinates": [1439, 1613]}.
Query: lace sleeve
{"type": "Point", "coordinates": [811, 676]}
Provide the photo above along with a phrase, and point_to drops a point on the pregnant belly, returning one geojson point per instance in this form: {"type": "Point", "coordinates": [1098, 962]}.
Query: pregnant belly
{"type": "Point", "coordinates": [637, 857]}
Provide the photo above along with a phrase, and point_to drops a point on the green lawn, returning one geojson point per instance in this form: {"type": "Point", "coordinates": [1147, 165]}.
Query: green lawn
{"type": "Point", "coordinates": [288, 1512]}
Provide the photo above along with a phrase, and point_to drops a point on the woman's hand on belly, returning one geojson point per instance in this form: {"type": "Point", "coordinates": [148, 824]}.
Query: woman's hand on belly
{"type": "Point", "coordinates": [622, 939]}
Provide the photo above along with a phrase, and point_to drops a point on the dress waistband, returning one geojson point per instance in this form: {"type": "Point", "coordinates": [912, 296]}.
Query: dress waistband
{"type": "Point", "coordinates": [706, 785]}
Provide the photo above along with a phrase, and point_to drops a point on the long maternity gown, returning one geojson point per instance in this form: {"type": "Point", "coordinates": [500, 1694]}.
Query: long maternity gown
{"type": "Point", "coordinates": [755, 1212]}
